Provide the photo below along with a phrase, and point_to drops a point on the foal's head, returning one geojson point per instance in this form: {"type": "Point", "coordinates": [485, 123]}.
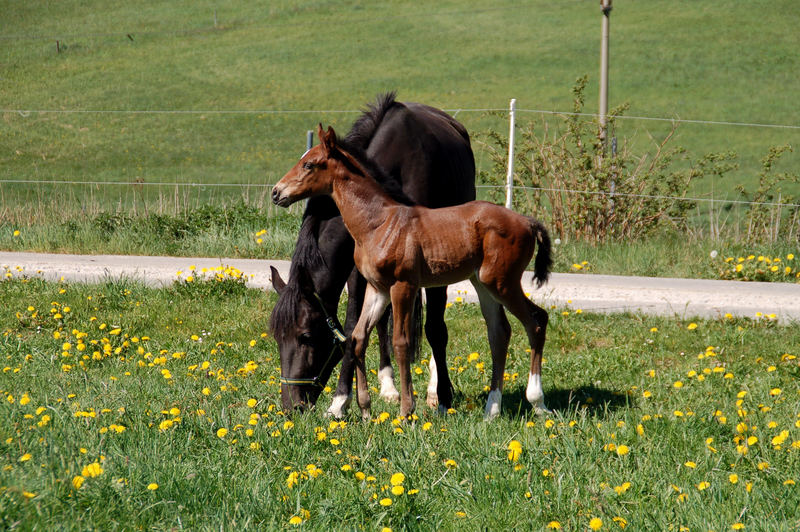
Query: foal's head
{"type": "Point", "coordinates": [313, 173]}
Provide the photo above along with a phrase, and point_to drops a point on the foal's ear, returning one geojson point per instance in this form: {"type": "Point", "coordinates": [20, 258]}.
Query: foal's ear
{"type": "Point", "coordinates": [327, 138]}
{"type": "Point", "coordinates": [277, 282]}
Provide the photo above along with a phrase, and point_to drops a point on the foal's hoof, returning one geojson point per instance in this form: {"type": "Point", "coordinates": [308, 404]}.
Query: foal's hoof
{"type": "Point", "coordinates": [542, 410]}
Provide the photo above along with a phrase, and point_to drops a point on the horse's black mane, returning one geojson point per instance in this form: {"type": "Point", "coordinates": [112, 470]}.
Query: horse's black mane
{"type": "Point", "coordinates": [307, 254]}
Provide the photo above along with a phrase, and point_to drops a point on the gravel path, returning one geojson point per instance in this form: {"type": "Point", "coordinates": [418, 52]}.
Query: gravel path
{"type": "Point", "coordinates": [589, 292]}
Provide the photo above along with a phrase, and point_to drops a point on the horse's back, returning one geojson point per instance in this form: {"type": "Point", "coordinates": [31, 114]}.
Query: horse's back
{"type": "Point", "coordinates": [428, 151]}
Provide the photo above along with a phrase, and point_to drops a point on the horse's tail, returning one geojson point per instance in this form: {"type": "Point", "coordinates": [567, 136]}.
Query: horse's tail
{"type": "Point", "coordinates": [544, 259]}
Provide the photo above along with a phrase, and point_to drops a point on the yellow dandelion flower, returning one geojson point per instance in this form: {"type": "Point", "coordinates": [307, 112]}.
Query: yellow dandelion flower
{"type": "Point", "coordinates": [152, 486]}
{"type": "Point", "coordinates": [595, 523]}
{"type": "Point", "coordinates": [222, 432]}
{"type": "Point", "coordinates": [622, 450]}
{"type": "Point", "coordinates": [386, 501]}
{"type": "Point", "coordinates": [77, 481]}
{"type": "Point", "coordinates": [397, 479]}
{"type": "Point", "coordinates": [514, 450]}
{"type": "Point", "coordinates": [554, 525]}
{"type": "Point", "coordinates": [25, 457]}
{"type": "Point", "coordinates": [703, 486]}
{"type": "Point", "coordinates": [92, 470]}
{"type": "Point", "coordinates": [450, 463]}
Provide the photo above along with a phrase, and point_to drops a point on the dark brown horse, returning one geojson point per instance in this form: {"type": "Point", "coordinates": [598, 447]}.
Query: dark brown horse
{"type": "Point", "coordinates": [424, 157]}
{"type": "Point", "coordinates": [400, 249]}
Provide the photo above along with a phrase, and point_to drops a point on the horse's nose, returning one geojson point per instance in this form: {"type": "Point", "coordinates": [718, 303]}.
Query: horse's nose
{"type": "Point", "coordinates": [275, 195]}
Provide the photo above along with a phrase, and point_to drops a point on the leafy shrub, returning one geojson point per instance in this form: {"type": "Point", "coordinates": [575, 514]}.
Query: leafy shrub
{"type": "Point", "coordinates": [766, 219]}
{"type": "Point", "coordinates": [581, 191]}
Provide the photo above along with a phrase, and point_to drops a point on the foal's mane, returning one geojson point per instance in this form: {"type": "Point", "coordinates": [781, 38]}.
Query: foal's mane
{"type": "Point", "coordinates": [307, 253]}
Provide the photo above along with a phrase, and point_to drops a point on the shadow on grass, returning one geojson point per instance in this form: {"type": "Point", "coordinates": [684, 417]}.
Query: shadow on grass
{"type": "Point", "coordinates": [598, 402]}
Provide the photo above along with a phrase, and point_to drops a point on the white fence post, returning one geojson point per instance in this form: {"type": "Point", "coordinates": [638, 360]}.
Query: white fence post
{"type": "Point", "coordinates": [510, 174]}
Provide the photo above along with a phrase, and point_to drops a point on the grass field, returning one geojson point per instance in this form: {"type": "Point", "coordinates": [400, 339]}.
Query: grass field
{"type": "Point", "coordinates": [141, 91]}
{"type": "Point", "coordinates": [133, 408]}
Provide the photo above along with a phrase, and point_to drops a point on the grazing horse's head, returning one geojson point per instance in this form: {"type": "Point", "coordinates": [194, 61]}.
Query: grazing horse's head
{"type": "Point", "coordinates": [310, 176]}
{"type": "Point", "coordinates": [308, 348]}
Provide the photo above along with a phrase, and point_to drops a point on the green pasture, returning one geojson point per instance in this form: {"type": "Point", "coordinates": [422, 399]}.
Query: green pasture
{"type": "Point", "coordinates": [135, 408]}
{"type": "Point", "coordinates": [156, 93]}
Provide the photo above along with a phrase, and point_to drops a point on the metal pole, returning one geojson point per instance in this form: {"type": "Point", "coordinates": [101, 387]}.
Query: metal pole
{"type": "Point", "coordinates": [309, 140]}
{"type": "Point", "coordinates": [510, 174]}
{"type": "Point", "coordinates": [605, 6]}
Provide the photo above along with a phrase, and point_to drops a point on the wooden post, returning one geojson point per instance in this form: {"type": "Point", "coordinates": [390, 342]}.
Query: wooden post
{"type": "Point", "coordinates": [605, 6]}
{"type": "Point", "coordinates": [510, 174]}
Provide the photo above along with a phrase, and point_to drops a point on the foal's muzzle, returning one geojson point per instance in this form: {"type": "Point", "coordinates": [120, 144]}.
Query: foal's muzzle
{"type": "Point", "coordinates": [276, 196]}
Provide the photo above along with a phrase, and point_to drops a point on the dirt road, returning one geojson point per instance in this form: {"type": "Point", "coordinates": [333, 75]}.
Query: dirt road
{"type": "Point", "coordinates": [589, 292]}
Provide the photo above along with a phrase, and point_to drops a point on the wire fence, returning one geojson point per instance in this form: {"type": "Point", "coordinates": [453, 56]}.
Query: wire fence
{"type": "Point", "coordinates": [454, 111]}
{"type": "Point", "coordinates": [25, 113]}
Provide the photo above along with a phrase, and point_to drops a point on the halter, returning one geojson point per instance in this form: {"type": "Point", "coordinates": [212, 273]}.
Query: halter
{"type": "Point", "coordinates": [338, 343]}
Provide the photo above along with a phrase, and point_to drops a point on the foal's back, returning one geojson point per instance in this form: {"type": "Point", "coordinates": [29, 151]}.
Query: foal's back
{"type": "Point", "coordinates": [436, 247]}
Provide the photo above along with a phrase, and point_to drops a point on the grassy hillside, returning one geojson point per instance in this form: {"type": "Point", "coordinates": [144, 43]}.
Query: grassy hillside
{"type": "Point", "coordinates": [287, 64]}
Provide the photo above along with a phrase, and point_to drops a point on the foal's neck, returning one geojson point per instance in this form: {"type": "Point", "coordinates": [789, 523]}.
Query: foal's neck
{"type": "Point", "coordinates": [361, 200]}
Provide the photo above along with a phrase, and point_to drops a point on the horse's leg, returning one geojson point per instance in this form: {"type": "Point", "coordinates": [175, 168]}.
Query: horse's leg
{"type": "Point", "coordinates": [534, 319]}
{"type": "Point", "coordinates": [385, 372]}
{"type": "Point", "coordinates": [375, 304]}
{"type": "Point", "coordinates": [499, 335]}
{"type": "Point", "coordinates": [440, 389]}
{"type": "Point", "coordinates": [403, 296]}
{"type": "Point", "coordinates": [356, 286]}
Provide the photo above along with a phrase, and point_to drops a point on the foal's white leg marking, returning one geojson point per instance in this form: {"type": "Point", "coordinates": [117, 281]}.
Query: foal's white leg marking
{"type": "Point", "coordinates": [535, 395]}
{"type": "Point", "coordinates": [375, 303]}
{"type": "Point", "coordinates": [433, 385]}
{"type": "Point", "coordinates": [493, 403]}
{"type": "Point", "coordinates": [388, 390]}
{"type": "Point", "coordinates": [339, 406]}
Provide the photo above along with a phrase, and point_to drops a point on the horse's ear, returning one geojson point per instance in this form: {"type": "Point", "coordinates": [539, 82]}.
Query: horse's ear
{"type": "Point", "coordinates": [277, 282]}
{"type": "Point", "coordinates": [327, 139]}
{"type": "Point", "coordinates": [304, 280]}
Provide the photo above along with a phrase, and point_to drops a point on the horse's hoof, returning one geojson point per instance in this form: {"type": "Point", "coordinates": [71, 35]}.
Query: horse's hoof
{"type": "Point", "coordinates": [441, 410]}
{"type": "Point", "coordinates": [390, 394]}
{"type": "Point", "coordinates": [433, 400]}
{"type": "Point", "coordinates": [338, 407]}
{"type": "Point", "coordinates": [493, 405]}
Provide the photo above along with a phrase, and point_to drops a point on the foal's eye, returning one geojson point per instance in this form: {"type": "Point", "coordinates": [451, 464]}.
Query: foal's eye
{"type": "Point", "coordinates": [304, 338]}
{"type": "Point", "coordinates": [308, 166]}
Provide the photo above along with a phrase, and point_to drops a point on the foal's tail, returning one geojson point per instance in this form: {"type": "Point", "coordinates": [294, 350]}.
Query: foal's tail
{"type": "Point", "coordinates": [541, 266]}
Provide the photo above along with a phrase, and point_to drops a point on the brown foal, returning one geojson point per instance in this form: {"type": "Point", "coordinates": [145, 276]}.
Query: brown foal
{"type": "Point", "coordinates": [400, 249]}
